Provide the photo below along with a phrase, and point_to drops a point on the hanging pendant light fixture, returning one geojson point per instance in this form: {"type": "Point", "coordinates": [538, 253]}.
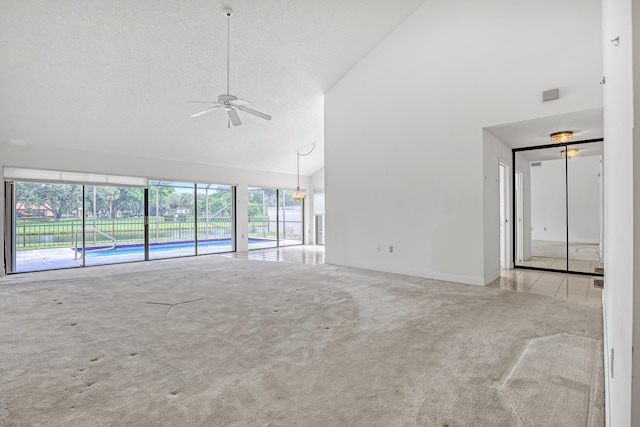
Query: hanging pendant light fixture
{"type": "Point", "coordinates": [561, 137]}
{"type": "Point", "coordinates": [570, 153]}
{"type": "Point", "coordinates": [298, 194]}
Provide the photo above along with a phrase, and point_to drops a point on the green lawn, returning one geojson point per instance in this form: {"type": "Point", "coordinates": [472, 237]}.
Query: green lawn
{"type": "Point", "coordinates": [31, 234]}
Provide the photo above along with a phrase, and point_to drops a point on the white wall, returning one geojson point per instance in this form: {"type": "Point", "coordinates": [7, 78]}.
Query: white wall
{"type": "Point", "coordinates": [494, 152]}
{"type": "Point", "coordinates": [403, 129]}
{"type": "Point", "coordinates": [317, 180]}
{"type": "Point", "coordinates": [549, 200]}
{"type": "Point", "coordinates": [84, 161]}
{"type": "Point", "coordinates": [635, 396]}
{"type": "Point", "coordinates": [621, 305]}
{"type": "Point", "coordinates": [525, 215]}
{"type": "Point", "coordinates": [316, 183]}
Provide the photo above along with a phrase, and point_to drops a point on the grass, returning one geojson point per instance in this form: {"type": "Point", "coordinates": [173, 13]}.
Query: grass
{"type": "Point", "coordinates": [33, 234]}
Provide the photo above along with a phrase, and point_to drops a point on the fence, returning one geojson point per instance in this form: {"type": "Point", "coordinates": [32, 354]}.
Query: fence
{"type": "Point", "coordinates": [38, 233]}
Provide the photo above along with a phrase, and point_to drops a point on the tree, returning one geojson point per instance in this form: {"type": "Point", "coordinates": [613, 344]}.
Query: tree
{"type": "Point", "coordinates": [59, 199]}
{"type": "Point", "coordinates": [106, 196]}
{"type": "Point", "coordinates": [218, 203]}
{"type": "Point", "coordinates": [131, 201]}
{"type": "Point", "coordinates": [159, 194]}
{"type": "Point", "coordinates": [186, 202]}
{"type": "Point", "coordinates": [255, 209]}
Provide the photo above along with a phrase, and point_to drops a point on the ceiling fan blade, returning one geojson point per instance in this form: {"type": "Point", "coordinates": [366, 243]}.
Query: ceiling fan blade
{"type": "Point", "coordinates": [254, 112]}
{"type": "Point", "coordinates": [233, 116]}
{"type": "Point", "coordinates": [199, 113]}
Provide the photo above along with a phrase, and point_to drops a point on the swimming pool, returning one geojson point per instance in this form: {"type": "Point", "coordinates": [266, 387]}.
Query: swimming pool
{"type": "Point", "coordinates": [136, 248]}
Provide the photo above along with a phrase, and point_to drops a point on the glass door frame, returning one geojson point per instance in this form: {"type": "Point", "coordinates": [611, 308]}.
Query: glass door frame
{"type": "Point", "coordinates": [278, 193]}
{"type": "Point", "coordinates": [9, 224]}
{"type": "Point", "coordinates": [515, 242]}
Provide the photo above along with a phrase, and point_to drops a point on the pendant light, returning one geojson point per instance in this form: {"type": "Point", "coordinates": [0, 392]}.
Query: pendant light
{"type": "Point", "coordinates": [298, 194]}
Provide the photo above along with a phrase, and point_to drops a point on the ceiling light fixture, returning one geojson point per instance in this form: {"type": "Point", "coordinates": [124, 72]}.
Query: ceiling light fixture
{"type": "Point", "coordinates": [561, 137]}
{"type": "Point", "coordinates": [570, 153]}
{"type": "Point", "coordinates": [298, 194]}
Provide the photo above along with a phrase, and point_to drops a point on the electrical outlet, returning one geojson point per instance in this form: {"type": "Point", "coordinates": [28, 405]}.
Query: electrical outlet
{"type": "Point", "coordinates": [391, 249]}
{"type": "Point", "coordinates": [378, 249]}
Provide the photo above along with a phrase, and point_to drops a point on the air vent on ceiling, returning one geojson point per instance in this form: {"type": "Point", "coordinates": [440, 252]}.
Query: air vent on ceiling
{"type": "Point", "coordinates": [534, 164]}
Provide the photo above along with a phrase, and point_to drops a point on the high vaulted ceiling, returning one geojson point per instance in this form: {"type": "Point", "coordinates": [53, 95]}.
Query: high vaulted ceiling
{"type": "Point", "coordinates": [115, 76]}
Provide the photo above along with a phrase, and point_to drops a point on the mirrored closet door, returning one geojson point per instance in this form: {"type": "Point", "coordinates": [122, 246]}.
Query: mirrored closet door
{"type": "Point", "coordinates": [558, 207]}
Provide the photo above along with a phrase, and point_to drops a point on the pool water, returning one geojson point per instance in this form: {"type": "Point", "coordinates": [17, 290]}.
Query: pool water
{"type": "Point", "coordinates": [137, 248]}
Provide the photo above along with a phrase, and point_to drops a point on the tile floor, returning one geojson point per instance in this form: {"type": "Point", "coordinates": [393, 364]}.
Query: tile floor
{"type": "Point", "coordinates": [561, 264]}
{"type": "Point", "coordinates": [306, 254]}
{"type": "Point", "coordinates": [557, 285]}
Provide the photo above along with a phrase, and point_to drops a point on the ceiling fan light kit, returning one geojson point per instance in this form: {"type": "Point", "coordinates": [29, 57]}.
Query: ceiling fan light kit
{"type": "Point", "coordinates": [230, 103]}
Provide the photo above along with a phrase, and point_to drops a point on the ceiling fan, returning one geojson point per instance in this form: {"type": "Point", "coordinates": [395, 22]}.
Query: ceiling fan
{"type": "Point", "coordinates": [228, 102]}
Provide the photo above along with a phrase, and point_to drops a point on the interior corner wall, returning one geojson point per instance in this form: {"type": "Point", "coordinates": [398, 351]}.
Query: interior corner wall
{"type": "Point", "coordinates": [494, 152]}
{"type": "Point", "coordinates": [2, 225]}
{"type": "Point", "coordinates": [620, 299]}
{"type": "Point", "coordinates": [86, 161]}
{"type": "Point", "coordinates": [403, 129]}
{"type": "Point", "coordinates": [316, 182]}
{"type": "Point", "coordinates": [635, 386]}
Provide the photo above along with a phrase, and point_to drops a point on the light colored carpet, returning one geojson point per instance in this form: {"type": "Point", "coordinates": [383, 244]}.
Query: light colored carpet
{"type": "Point", "coordinates": [215, 341]}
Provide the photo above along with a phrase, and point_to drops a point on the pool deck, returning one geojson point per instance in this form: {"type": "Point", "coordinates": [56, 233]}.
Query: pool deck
{"type": "Point", "coordinates": [56, 258]}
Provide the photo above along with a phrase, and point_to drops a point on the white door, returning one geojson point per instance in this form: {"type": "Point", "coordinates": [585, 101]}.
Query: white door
{"type": "Point", "coordinates": [505, 226]}
{"type": "Point", "coordinates": [519, 216]}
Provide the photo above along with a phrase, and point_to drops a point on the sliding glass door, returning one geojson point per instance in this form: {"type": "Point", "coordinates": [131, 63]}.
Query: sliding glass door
{"type": "Point", "coordinates": [172, 227]}
{"type": "Point", "coordinates": [263, 218]}
{"type": "Point", "coordinates": [114, 224]}
{"type": "Point", "coordinates": [289, 219]}
{"type": "Point", "coordinates": [215, 218]}
{"type": "Point", "coordinates": [54, 225]}
{"type": "Point", "coordinates": [47, 226]}
{"type": "Point", "coordinates": [275, 219]}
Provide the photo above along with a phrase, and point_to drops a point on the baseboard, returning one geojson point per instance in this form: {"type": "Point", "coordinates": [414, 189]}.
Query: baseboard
{"type": "Point", "coordinates": [477, 281]}
{"type": "Point", "coordinates": [605, 345]}
{"type": "Point", "coordinates": [491, 277]}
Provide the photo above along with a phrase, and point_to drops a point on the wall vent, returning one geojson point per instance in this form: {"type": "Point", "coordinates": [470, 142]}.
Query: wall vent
{"type": "Point", "coordinates": [550, 95]}
{"type": "Point", "coordinates": [534, 164]}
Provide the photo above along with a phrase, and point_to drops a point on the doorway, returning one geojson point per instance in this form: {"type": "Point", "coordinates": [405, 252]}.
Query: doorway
{"type": "Point", "coordinates": [505, 258]}
{"type": "Point", "coordinates": [519, 225]}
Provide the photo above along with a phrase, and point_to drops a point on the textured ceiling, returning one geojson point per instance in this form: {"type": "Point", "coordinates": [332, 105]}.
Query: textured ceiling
{"type": "Point", "coordinates": [114, 76]}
